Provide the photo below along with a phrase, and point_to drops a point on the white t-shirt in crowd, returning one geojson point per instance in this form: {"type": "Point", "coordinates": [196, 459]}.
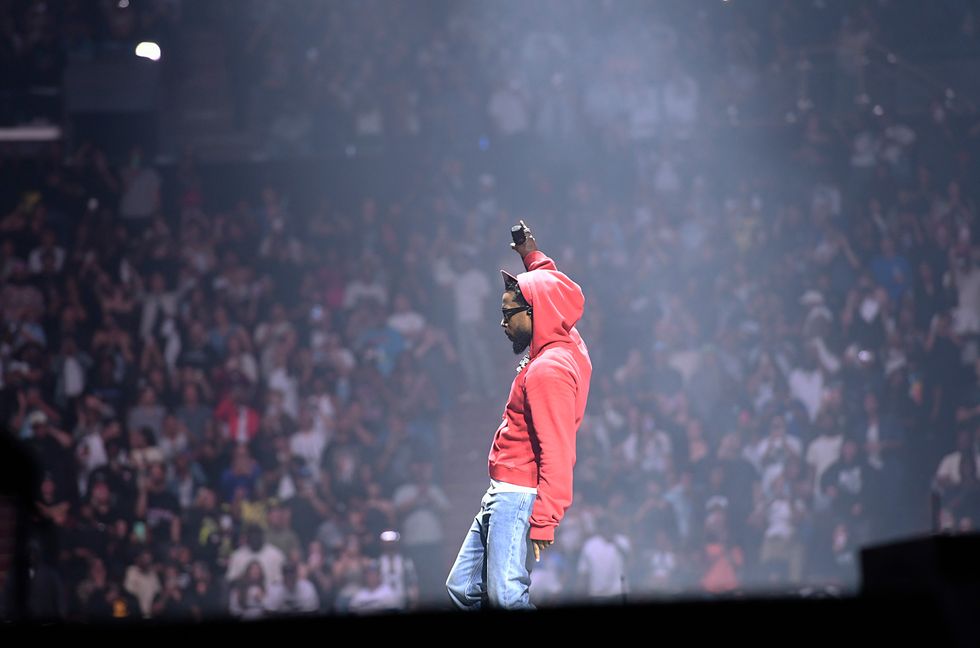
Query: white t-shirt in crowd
{"type": "Point", "coordinates": [303, 599]}
{"type": "Point", "coordinates": [508, 110]}
{"type": "Point", "coordinates": [383, 597]}
{"type": "Point", "coordinates": [652, 453]}
{"type": "Point", "coordinates": [96, 456]}
{"type": "Point", "coordinates": [308, 445]}
{"type": "Point", "coordinates": [74, 377]}
{"type": "Point", "coordinates": [279, 378]}
{"type": "Point", "coordinates": [471, 289]}
{"type": "Point", "coordinates": [409, 323]}
{"type": "Point", "coordinates": [269, 556]}
{"type": "Point", "coordinates": [780, 519]}
{"type": "Point", "coordinates": [357, 289]}
{"type": "Point", "coordinates": [966, 315]}
{"type": "Point", "coordinates": [662, 563]}
{"type": "Point", "coordinates": [139, 198]}
{"type": "Point", "coordinates": [949, 467]}
{"type": "Point", "coordinates": [773, 450]}
{"type": "Point", "coordinates": [34, 259]}
{"type": "Point", "coordinates": [822, 452]}
{"type": "Point", "coordinates": [398, 573]}
{"type": "Point", "coordinates": [604, 564]}
{"type": "Point", "coordinates": [807, 386]}
{"type": "Point", "coordinates": [421, 524]}
{"type": "Point", "coordinates": [873, 435]}
{"type": "Point", "coordinates": [156, 305]}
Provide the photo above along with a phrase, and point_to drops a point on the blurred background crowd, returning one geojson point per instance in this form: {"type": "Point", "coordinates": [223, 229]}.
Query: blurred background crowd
{"type": "Point", "coordinates": [267, 384]}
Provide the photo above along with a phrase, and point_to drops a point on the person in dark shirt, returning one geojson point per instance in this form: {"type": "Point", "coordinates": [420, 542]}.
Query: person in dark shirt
{"type": "Point", "coordinates": [46, 596]}
{"type": "Point", "coordinates": [944, 378]}
{"type": "Point", "coordinates": [307, 507]}
{"type": "Point", "coordinates": [201, 527]}
{"type": "Point", "coordinates": [118, 550]}
{"type": "Point", "coordinates": [204, 596]}
{"type": "Point", "coordinates": [244, 472]}
{"type": "Point", "coordinates": [930, 296]}
{"type": "Point", "coordinates": [214, 456]}
{"type": "Point", "coordinates": [106, 386]}
{"type": "Point", "coordinates": [120, 483]}
{"type": "Point", "coordinates": [162, 509]}
{"type": "Point", "coordinates": [968, 408]}
{"type": "Point", "coordinates": [52, 449]}
{"type": "Point", "coordinates": [198, 353]}
{"type": "Point", "coordinates": [655, 513]}
{"type": "Point", "coordinates": [112, 603]}
{"type": "Point", "coordinates": [962, 499]}
{"type": "Point", "coordinates": [172, 602]}
{"type": "Point", "coordinates": [850, 483]}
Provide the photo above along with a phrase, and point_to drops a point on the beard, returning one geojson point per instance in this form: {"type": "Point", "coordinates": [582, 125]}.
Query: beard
{"type": "Point", "coordinates": [520, 342]}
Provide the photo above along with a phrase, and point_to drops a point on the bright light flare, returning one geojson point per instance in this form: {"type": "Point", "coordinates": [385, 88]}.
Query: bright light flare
{"type": "Point", "coordinates": [148, 50]}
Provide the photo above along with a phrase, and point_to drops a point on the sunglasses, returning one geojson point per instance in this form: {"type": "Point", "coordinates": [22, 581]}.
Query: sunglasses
{"type": "Point", "coordinates": [510, 312]}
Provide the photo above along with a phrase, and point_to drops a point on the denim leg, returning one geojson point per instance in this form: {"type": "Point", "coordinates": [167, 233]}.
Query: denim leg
{"type": "Point", "coordinates": [509, 550]}
{"type": "Point", "coordinates": [467, 578]}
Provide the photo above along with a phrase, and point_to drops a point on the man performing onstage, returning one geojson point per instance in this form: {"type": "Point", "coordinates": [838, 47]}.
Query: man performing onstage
{"type": "Point", "coordinates": [533, 450]}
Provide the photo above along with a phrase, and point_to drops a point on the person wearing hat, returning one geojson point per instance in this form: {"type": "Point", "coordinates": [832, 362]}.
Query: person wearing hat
{"type": "Point", "coordinates": [533, 450]}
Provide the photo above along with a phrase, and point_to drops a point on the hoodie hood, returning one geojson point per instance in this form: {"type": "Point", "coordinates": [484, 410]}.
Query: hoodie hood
{"type": "Point", "coordinates": [558, 304]}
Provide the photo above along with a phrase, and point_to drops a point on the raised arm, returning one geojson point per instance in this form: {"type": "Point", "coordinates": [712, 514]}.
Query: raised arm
{"type": "Point", "coordinates": [534, 259]}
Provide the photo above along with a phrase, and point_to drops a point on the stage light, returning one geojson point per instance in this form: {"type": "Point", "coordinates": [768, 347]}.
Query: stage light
{"type": "Point", "coordinates": [148, 50]}
{"type": "Point", "coordinates": [31, 133]}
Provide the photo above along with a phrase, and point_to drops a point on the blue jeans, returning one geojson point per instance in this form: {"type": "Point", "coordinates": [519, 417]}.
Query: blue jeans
{"type": "Point", "coordinates": [493, 568]}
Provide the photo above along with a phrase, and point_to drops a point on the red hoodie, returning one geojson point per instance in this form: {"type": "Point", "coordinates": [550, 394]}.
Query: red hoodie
{"type": "Point", "coordinates": [535, 442]}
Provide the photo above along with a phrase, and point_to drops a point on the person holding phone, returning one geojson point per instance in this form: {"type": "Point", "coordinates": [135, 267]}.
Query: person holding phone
{"type": "Point", "coordinates": [533, 450]}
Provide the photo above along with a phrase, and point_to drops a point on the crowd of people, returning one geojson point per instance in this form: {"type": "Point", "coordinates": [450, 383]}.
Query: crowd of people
{"type": "Point", "coordinates": [469, 74]}
{"type": "Point", "coordinates": [241, 396]}
{"type": "Point", "coordinates": [309, 77]}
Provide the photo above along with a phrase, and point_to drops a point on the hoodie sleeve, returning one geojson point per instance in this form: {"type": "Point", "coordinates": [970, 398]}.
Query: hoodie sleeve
{"type": "Point", "coordinates": [538, 260]}
{"type": "Point", "coordinates": [551, 400]}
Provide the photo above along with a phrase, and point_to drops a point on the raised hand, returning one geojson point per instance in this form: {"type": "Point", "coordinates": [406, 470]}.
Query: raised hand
{"type": "Point", "coordinates": [529, 245]}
